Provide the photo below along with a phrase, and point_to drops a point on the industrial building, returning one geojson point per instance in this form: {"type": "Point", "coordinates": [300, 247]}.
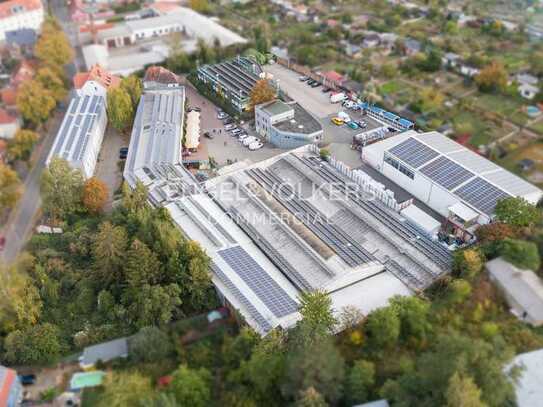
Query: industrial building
{"type": "Point", "coordinates": [19, 14]}
{"type": "Point", "coordinates": [287, 125]}
{"type": "Point", "coordinates": [11, 389]}
{"type": "Point", "coordinates": [80, 135]}
{"type": "Point", "coordinates": [267, 243]}
{"type": "Point", "coordinates": [456, 182]}
{"type": "Point", "coordinates": [233, 80]}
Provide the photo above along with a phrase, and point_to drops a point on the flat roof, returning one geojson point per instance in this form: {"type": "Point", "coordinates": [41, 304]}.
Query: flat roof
{"type": "Point", "coordinates": [524, 286]}
{"type": "Point", "coordinates": [303, 122]}
{"type": "Point", "coordinates": [105, 351]}
{"type": "Point", "coordinates": [234, 74]}
{"type": "Point", "coordinates": [276, 107]}
{"type": "Point", "coordinates": [529, 386]}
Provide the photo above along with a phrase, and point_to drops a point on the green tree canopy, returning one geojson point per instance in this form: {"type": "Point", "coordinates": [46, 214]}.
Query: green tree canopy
{"type": "Point", "coordinates": [383, 326]}
{"type": "Point", "coordinates": [191, 387]}
{"type": "Point", "coordinates": [522, 254]}
{"type": "Point", "coordinates": [463, 392]}
{"type": "Point", "coordinates": [10, 187]}
{"type": "Point", "coordinates": [34, 344]}
{"type": "Point", "coordinates": [35, 102]}
{"type": "Point", "coordinates": [517, 212]}
{"type": "Point", "coordinates": [123, 389]}
{"type": "Point", "coordinates": [360, 380]}
{"type": "Point", "coordinates": [150, 344]}
{"type": "Point", "coordinates": [120, 108]}
{"type": "Point", "coordinates": [20, 147]}
{"type": "Point", "coordinates": [61, 188]}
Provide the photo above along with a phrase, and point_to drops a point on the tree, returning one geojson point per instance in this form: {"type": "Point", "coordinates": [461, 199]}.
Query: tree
{"type": "Point", "coordinates": [459, 291]}
{"type": "Point", "coordinates": [191, 387]}
{"type": "Point", "coordinates": [413, 313]}
{"type": "Point", "coordinates": [125, 389]}
{"type": "Point", "coordinates": [132, 85]}
{"type": "Point", "coordinates": [430, 100]}
{"type": "Point", "coordinates": [261, 93]}
{"type": "Point", "coordinates": [10, 187]}
{"type": "Point", "coordinates": [53, 48]}
{"type": "Point", "coordinates": [35, 102]}
{"type": "Point", "coordinates": [95, 195]}
{"type": "Point", "coordinates": [120, 109]}
{"type": "Point", "coordinates": [536, 62]}
{"type": "Point", "coordinates": [109, 249]}
{"type": "Point", "coordinates": [199, 276]}
{"type": "Point", "coordinates": [522, 254]}
{"type": "Point", "coordinates": [317, 364]}
{"type": "Point", "coordinates": [20, 147]}
{"type": "Point", "coordinates": [463, 392]}
{"type": "Point", "coordinates": [20, 302]}
{"type": "Point", "coordinates": [431, 61]}
{"type": "Point", "coordinates": [61, 188]}
{"type": "Point", "coordinates": [383, 327]}
{"type": "Point", "coordinates": [311, 398]}
{"type": "Point", "coordinates": [35, 344]}
{"type": "Point", "coordinates": [52, 81]}
{"type": "Point", "coordinates": [316, 310]}
{"type": "Point", "coordinates": [201, 6]}
{"type": "Point", "coordinates": [204, 53]}
{"type": "Point", "coordinates": [360, 380]}
{"type": "Point", "coordinates": [468, 263]}
{"type": "Point", "coordinates": [492, 78]}
{"type": "Point", "coordinates": [141, 266]}
{"type": "Point", "coordinates": [150, 344]}
{"type": "Point", "coordinates": [517, 212]}
{"type": "Point", "coordinates": [152, 304]}
{"type": "Point", "coordinates": [496, 231]}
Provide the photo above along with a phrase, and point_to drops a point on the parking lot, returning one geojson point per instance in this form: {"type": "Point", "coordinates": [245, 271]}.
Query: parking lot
{"type": "Point", "coordinates": [224, 146]}
{"type": "Point", "coordinates": [311, 99]}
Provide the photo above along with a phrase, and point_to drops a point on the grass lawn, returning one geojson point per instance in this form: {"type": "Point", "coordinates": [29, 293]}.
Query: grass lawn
{"type": "Point", "coordinates": [91, 397]}
{"type": "Point", "coordinates": [519, 118]}
{"type": "Point", "coordinates": [503, 105]}
{"type": "Point", "coordinates": [479, 139]}
{"type": "Point", "coordinates": [537, 127]}
{"type": "Point", "coordinates": [533, 151]}
{"type": "Point", "coordinates": [390, 87]}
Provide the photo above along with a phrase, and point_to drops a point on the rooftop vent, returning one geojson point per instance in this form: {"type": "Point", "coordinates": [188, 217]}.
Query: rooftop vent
{"type": "Point", "coordinates": [292, 121]}
{"type": "Point", "coordinates": [301, 126]}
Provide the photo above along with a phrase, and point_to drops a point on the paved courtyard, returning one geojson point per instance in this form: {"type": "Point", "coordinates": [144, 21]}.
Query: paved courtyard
{"type": "Point", "coordinates": [107, 167]}
{"type": "Point", "coordinates": [311, 99]}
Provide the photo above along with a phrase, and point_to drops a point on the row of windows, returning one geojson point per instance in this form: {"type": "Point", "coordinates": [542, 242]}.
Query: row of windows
{"type": "Point", "coordinates": [400, 167]}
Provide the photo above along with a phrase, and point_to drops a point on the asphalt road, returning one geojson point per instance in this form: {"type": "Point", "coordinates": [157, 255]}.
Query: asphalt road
{"type": "Point", "coordinates": [22, 218]}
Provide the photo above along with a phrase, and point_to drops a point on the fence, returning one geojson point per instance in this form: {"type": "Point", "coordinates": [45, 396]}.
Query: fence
{"type": "Point", "coordinates": [366, 182]}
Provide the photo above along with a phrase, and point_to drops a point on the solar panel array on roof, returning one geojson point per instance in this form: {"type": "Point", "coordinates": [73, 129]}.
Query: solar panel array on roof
{"type": "Point", "coordinates": [446, 173]}
{"type": "Point", "coordinates": [257, 316]}
{"type": "Point", "coordinates": [413, 152]}
{"type": "Point", "coordinates": [481, 194]}
{"type": "Point", "coordinates": [260, 282]}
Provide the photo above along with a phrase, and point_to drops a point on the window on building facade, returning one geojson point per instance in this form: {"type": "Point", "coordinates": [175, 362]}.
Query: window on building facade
{"type": "Point", "coordinates": [400, 167]}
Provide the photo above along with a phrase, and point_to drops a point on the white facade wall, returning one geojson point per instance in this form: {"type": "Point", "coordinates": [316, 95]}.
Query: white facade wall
{"type": "Point", "coordinates": [90, 158]}
{"type": "Point", "coordinates": [24, 19]}
{"type": "Point", "coordinates": [7, 131]}
{"type": "Point", "coordinates": [157, 31]}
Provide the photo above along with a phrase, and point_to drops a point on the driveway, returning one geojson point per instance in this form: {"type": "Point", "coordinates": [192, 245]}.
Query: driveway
{"type": "Point", "coordinates": [311, 99]}
{"type": "Point", "coordinates": [107, 168]}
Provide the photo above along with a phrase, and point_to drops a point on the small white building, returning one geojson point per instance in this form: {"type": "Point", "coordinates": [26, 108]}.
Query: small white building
{"type": "Point", "coordinates": [522, 289]}
{"type": "Point", "coordinates": [9, 124]}
{"type": "Point", "coordinates": [80, 136]}
{"type": "Point", "coordinates": [528, 91]}
{"type": "Point", "coordinates": [17, 14]}
{"type": "Point", "coordinates": [451, 179]}
{"type": "Point", "coordinates": [192, 135]}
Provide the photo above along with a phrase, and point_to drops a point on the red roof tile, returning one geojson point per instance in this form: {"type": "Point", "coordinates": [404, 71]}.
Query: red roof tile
{"type": "Point", "coordinates": [6, 118]}
{"type": "Point", "coordinates": [9, 95]}
{"type": "Point", "coordinates": [98, 74]}
{"type": "Point", "coordinates": [161, 75]}
{"type": "Point", "coordinates": [333, 76]}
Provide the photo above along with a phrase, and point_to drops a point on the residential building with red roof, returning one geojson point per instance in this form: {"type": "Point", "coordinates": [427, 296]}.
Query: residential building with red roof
{"type": "Point", "coordinates": [9, 124]}
{"type": "Point", "coordinates": [158, 74]}
{"type": "Point", "coordinates": [17, 14]}
{"type": "Point", "coordinates": [22, 74]}
{"type": "Point", "coordinates": [96, 74]}
{"type": "Point", "coordinates": [11, 390]}
{"type": "Point", "coordinates": [332, 79]}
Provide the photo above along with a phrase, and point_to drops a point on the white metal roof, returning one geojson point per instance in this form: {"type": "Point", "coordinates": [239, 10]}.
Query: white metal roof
{"type": "Point", "coordinates": [157, 131]}
{"type": "Point", "coordinates": [483, 171]}
{"type": "Point", "coordinates": [192, 136]}
{"type": "Point", "coordinates": [529, 387]}
{"type": "Point", "coordinates": [78, 126]}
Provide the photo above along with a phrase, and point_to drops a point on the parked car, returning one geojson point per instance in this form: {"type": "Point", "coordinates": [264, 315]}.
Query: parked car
{"type": "Point", "coordinates": [337, 121]}
{"type": "Point", "coordinates": [392, 130]}
{"type": "Point", "coordinates": [311, 82]}
{"type": "Point", "coordinates": [123, 153]}
{"type": "Point", "coordinates": [222, 115]}
{"type": "Point", "coordinates": [355, 107]}
{"type": "Point", "coordinates": [236, 131]}
{"type": "Point", "coordinates": [303, 78]}
{"type": "Point", "coordinates": [362, 124]}
{"type": "Point", "coordinates": [352, 125]}
{"type": "Point", "coordinates": [344, 116]}
{"type": "Point", "coordinates": [228, 120]}
{"type": "Point", "coordinates": [27, 379]}
{"type": "Point", "coordinates": [243, 137]}
{"type": "Point", "coordinates": [337, 97]}
{"type": "Point", "coordinates": [326, 89]}
{"type": "Point", "coordinates": [316, 84]}
{"type": "Point", "coordinates": [229, 126]}
{"type": "Point", "coordinates": [209, 135]}
{"type": "Point", "coordinates": [255, 146]}
{"type": "Point", "coordinates": [249, 140]}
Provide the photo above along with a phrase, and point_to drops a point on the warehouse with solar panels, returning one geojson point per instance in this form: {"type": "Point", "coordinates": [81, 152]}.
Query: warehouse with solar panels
{"type": "Point", "coordinates": [80, 136]}
{"type": "Point", "coordinates": [456, 182]}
